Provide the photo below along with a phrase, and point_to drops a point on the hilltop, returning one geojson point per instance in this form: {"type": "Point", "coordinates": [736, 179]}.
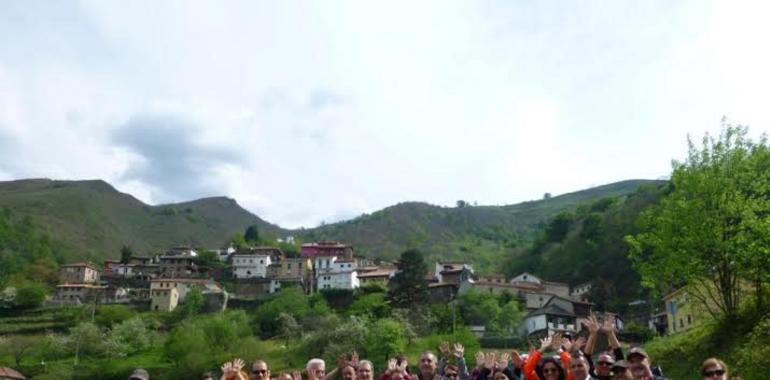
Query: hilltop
{"type": "Point", "coordinates": [95, 219]}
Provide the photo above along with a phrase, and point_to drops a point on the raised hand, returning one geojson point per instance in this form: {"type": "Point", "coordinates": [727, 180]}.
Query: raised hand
{"type": "Point", "coordinates": [592, 324]}
{"type": "Point", "coordinates": [566, 344]}
{"type": "Point", "coordinates": [480, 359]}
{"type": "Point", "coordinates": [459, 350]}
{"type": "Point", "coordinates": [579, 343]}
{"type": "Point", "coordinates": [503, 361]}
{"type": "Point", "coordinates": [232, 370]}
{"type": "Point", "coordinates": [354, 361]}
{"type": "Point", "coordinates": [402, 367]}
{"type": "Point", "coordinates": [545, 343]}
{"type": "Point", "coordinates": [609, 324]}
{"type": "Point", "coordinates": [518, 361]}
{"type": "Point", "coordinates": [296, 375]}
{"type": "Point", "coordinates": [490, 360]}
{"type": "Point", "coordinates": [444, 348]}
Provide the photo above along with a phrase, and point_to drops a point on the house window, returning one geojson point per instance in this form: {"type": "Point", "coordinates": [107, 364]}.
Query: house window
{"type": "Point", "coordinates": [261, 261]}
{"type": "Point", "coordinates": [681, 323]}
{"type": "Point", "coordinates": [689, 320]}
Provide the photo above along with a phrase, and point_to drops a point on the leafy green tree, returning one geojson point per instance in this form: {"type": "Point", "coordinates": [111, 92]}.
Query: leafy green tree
{"type": "Point", "coordinates": [386, 337]}
{"type": "Point", "coordinates": [251, 235]}
{"type": "Point", "coordinates": [109, 315]}
{"type": "Point", "coordinates": [208, 260]}
{"type": "Point", "coordinates": [29, 295]}
{"type": "Point", "coordinates": [126, 253]}
{"type": "Point", "coordinates": [712, 226]}
{"type": "Point", "coordinates": [373, 305]}
{"type": "Point", "coordinates": [291, 301]}
{"type": "Point", "coordinates": [409, 288]}
{"type": "Point", "coordinates": [128, 337]}
{"type": "Point", "coordinates": [17, 347]}
{"type": "Point", "coordinates": [87, 339]}
{"type": "Point", "coordinates": [557, 230]}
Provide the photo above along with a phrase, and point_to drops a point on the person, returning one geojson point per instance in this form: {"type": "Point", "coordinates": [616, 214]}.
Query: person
{"type": "Point", "coordinates": [458, 353]}
{"type": "Point", "coordinates": [713, 369]}
{"type": "Point", "coordinates": [594, 329]}
{"type": "Point", "coordinates": [365, 370]}
{"type": "Point", "coordinates": [549, 368]}
{"type": "Point", "coordinates": [234, 370]}
{"type": "Point", "coordinates": [139, 374]}
{"type": "Point", "coordinates": [620, 371]}
{"type": "Point", "coordinates": [603, 366]}
{"type": "Point", "coordinates": [428, 367]}
{"type": "Point", "coordinates": [207, 376]}
{"type": "Point", "coordinates": [579, 367]}
{"type": "Point", "coordinates": [316, 369]}
{"type": "Point", "coordinates": [639, 365]}
{"type": "Point", "coordinates": [259, 370]}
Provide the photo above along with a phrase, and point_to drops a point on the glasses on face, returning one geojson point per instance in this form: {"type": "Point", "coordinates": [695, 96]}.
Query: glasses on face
{"type": "Point", "coordinates": [712, 373]}
{"type": "Point", "coordinates": [259, 371]}
{"type": "Point", "coordinates": [427, 360]}
{"type": "Point", "coordinates": [606, 364]}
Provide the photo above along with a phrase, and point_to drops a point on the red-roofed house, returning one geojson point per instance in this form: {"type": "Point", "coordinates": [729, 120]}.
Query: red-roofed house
{"type": "Point", "coordinates": [10, 374]}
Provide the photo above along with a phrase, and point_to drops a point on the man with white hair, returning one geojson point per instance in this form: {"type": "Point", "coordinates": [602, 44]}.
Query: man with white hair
{"type": "Point", "coordinates": [316, 369]}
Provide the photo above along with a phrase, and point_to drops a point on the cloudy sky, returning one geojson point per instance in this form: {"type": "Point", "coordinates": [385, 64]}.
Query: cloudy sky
{"type": "Point", "coordinates": [319, 111]}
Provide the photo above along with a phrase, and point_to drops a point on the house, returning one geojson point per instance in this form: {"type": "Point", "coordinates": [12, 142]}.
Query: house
{"type": "Point", "coordinates": [78, 273]}
{"type": "Point", "coordinates": [76, 294]}
{"type": "Point", "coordinates": [10, 374]}
{"type": "Point", "coordinates": [558, 314]}
{"type": "Point", "coordinates": [336, 273]}
{"type": "Point", "coordinates": [659, 323]}
{"type": "Point", "coordinates": [453, 273]}
{"type": "Point", "coordinates": [256, 287]}
{"type": "Point", "coordinates": [442, 292]}
{"type": "Point", "coordinates": [581, 291]}
{"type": "Point", "coordinates": [163, 300]}
{"type": "Point", "coordinates": [556, 288]}
{"type": "Point", "coordinates": [253, 262]}
{"type": "Point", "coordinates": [527, 278]}
{"type": "Point", "coordinates": [328, 249]}
{"type": "Point", "coordinates": [376, 276]}
{"type": "Point", "coordinates": [682, 311]}
{"type": "Point", "coordinates": [289, 269]}
{"type": "Point", "coordinates": [178, 262]}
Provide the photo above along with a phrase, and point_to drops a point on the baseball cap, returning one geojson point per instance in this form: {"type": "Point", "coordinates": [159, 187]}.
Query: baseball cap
{"type": "Point", "coordinates": [140, 374]}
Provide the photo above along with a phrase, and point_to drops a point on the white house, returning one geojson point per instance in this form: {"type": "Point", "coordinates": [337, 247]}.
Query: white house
{"type": "Point", "coordinates": [248, 265]}
{"type": "Point", "coordinates": [338, 280]}
{"type": "Point", "coordinates": [526, 278]}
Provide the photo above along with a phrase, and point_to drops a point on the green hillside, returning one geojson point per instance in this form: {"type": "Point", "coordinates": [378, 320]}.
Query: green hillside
{"type": "Point", "coordinates": [95, 220]}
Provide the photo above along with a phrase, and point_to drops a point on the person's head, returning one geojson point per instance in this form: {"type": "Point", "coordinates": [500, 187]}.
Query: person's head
{"type": "Point", "coordinates": [207, 376]}
{"type": "Point", "coordinates": [500, 375]}
{"type": "Point", "coordinates": [139, 374]}
{"type": "Point", "coordinates": [620, 371]}
{"type": "Point", "coordinates": [451, 372]}
{"type": "Point", "coordinates": [604, 364]}
{"type": "Point", "coordinates": [365, 370]}
{"type": "Point", "coordinates": [348, 373]}
{"type": "Point", "coordinates": [284, 376]}
{"type": "Point", "coordinates": [641, 370]}
{"type": "Point", "coordinates": [637, 355]}
{"type": "Point", "coordinates": [428, 362]}
{"type": "Point", "coordinates": [259, 370]}
{"type": "Point", "coordinates": [316, 368]}
{"type": "Point", "coordinates": [713, 369]}
{"type": "Point", "coordinates": [550, 369]}
{"type": "Point", "coordinates": [579, 367]}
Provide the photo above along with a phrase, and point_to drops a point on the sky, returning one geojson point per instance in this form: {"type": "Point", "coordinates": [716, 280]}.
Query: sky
{"type": "Point", "coordinates": [308, 112]}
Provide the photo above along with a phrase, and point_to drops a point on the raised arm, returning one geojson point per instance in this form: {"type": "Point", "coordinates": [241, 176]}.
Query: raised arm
{"type": "Point", "coordinates": [593, 332]}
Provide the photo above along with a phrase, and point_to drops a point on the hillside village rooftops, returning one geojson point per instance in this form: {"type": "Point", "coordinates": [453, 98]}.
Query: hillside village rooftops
{"type": "Point", "coordinates": [10, 373]}
{"type": "Point", "coordinates": [80, 264]}
{"type": "Point", "coordinates": [89, 286]}
{"type": "Point", "coordinates": [377, 273]}
{"type": "Point", "coordinates": [185, 280]}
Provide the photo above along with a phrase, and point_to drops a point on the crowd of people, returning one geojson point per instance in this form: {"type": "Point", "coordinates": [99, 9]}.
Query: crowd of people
{"type": "Point", "coordinates": [559, 357]}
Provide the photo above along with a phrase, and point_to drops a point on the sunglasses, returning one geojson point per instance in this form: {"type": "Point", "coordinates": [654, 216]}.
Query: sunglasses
{"type": "Point", "coordinates": [256, 371]}
{"type": "Point", "coordinates": [716, 372]}
{"type": "Point", "coordinates": [607, 364]}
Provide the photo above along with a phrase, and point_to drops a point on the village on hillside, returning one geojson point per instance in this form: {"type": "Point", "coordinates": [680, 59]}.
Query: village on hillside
{"type": "Point", "coordinates": [163, 282]}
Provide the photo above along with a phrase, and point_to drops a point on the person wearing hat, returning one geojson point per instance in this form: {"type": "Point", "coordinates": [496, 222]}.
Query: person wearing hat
{"type": "Point", "coordinates": [139, 374]}
{"type": "Point", "coordinates": [640, 365]}
{"type": "Point", "coordinates": [603, 366]}
{"type": "Point", "coordinates": [620, 371]}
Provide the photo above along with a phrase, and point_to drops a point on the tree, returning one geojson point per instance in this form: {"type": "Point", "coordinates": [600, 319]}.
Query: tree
{"type": "Point", "coordinates": [126, 253]}
{"type": "Point", "coordinates": [18, 347]}
{"type": "Point", "coordinates": [409, 287]}
{"type": "Point", "coordinates": [29, 295]}
{"type": "Point", "coordinates": [252, 234]}
{"type": "Point", "coordinates": [712, 227]}
{"type": "Point", "coordinates": [385, 338]}
{"type": "Point", "coordinates": [109, 315]}
{"type": "Point", "coordinates": [461, 204]}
